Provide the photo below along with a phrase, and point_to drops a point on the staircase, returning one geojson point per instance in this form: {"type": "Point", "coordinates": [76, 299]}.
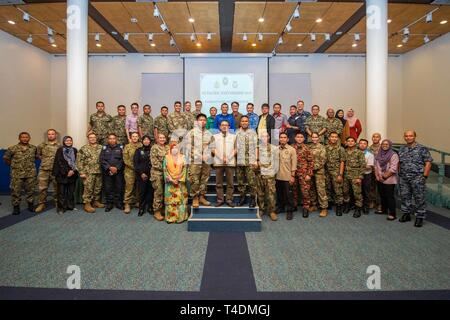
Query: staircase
{"type": "Point", "coordinates": [224, 218]}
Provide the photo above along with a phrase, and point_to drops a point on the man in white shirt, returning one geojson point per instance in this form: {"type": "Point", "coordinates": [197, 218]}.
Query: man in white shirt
{"type": "Point", "coordinates": [367, 180]}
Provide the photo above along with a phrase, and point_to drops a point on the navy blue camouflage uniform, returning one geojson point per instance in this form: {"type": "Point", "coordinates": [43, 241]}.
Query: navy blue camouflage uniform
{"type": "Point", "coordinates": [412, 180]}
{"type": "Point", "coordinates": [112, 156]}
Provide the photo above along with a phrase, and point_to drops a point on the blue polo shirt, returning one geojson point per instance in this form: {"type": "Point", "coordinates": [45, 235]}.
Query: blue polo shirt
{"type": "Point", "coordinates": [221, 117]}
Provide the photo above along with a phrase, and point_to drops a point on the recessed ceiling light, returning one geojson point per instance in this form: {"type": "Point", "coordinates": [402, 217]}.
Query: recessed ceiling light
{"type": "Point", "coordinates": [299, 45]}
{"type": "Point", "coordinates": [54, 45]}
{"type": "Point", "coordinates": [153, 45]}
{"type": "Point", "coordinates": [389, 20]}
{"type": "Point", "coordinates": [261, 19]}
{"type": "Point", "coordinates": [191, 20]}
{"type": "Point", "coordinates": [12, 22]}
{"type": "Point", "coordinates": [354, 45]}
{"type": "Point", "coordinates": [198, 44]}
{"type": "Point", "coordinates": [98, 45]}
{"type": "Point", "coordinates": [318, 20]}
{"type": "Point", "coordinates": [442, 22]}
{"type": "Point", "coordinates": [399, 45]}
{"type": "Point", "coordinates": [134, 20]}
{"type": "Point", "coordinates": [114, 32]}
{"type": "Point", "coordinates": [253, 44]}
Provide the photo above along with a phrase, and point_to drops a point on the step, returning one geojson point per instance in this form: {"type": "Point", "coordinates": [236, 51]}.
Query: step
{"type": "Point", "coordinates": [221, 215]}
{"type": "Point", "coordinates": [224, 225]}
{"type": "Point", "coordinates": [224, 209]}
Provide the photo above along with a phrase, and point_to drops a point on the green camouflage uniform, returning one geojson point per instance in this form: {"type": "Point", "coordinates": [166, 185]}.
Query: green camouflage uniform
{"type": "Point", "coordinates": [161, 123]}
{"type": "Point", "coordinates": [305, 167]}
{"type": "Point", "coordinates": [246, 145]}
{"type": "Point", "coordinates": [318, 183]}
{"type": "Point", "coordinates": [88, 163]}
{"type": "Point", "coordinates": [178, 125]}
{"type": "Point", "coordinates": [129, 175]}
{"type": "Point", "coordinates": [101, 125]}
{"type": "Point", "coordinates": [23, 171]}
{"type": "Point", "coordinates": [199, 145]}
{"type": "Point", "coordinates": [46, 152]}
{"type": "Point", "coordinates": [196, 113]}
{"type": "Point", "coordinates": [118, 128]}
{"type": "Point", "coordinates": [190, 119]}
{"type": "Point", "coordinates": [157, 154]}
{"type": "Point", "coordinates": [335, 155]}
{"type": "Point", "coordinates": [374, 195]}
{"type": "Point", "coordinates": [268, 168]}
{"type": "Point", "coordinates": [355, 164]}
{"type": "Point", "coordinates": [146, 124]}
{"type": "Point", "coordinates": [316, 124]}
{"type": "Point", "coordinates": [333, 125]}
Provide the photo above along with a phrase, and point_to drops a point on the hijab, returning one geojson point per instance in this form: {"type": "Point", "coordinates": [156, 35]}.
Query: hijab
{"type": "Point", "coordinates": [144, 147]}
{"type": "Point", "coordinates": [384, 156]}
{"type": "Point", "coordinates": [342, 119]}
{"type": "Point", "coordinates": [174, 164]}
{"type": "Point", "coordinates": [351, 120]}
{"type": "Point", "coordinates": [69, 153]}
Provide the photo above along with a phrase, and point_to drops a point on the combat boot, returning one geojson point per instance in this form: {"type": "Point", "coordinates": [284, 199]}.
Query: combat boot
{"type": "Point", "coordinates": [289, 215]}
{"type": "Point", "coordinates": [98, 204]}
{"type": "Point", "coordinates": [346, 208]}
{"type": "Point", "coordinates": [88, 208]}
{"type": "Point", "coordinates": [405, 217]}
{"type": "Point", "coordinates": [323, 213]}
{"type": "Point", "coordinates": [365, 210]}
{"type": "Point", "coordinates": [305, 213]}
{"type": "Point", "coordinates": [418, 223]}
{"type": "Point", "coordinates": [273, 216]}
{"type": "Point", "coordinates": [357, 212]}
{"type": "Point", "coordinates": [109, 207]}
{"type": "Point", "coordinates": [127, 208]}
{"type": "Point", "coordinates": [40, 208]}
{"type": "Point", "coordinates": [158, 216]}
{"type": "Point", "coordinates": [312, 209]}
{"type": "Point", "coordinates": [252, 202]}
{"type": "Point", "coordinates": [339, 210]}
{"type": "Point", "coordinates": [16, 210]}
{"type": "Point", "coordinates": [141, 211]}
{"type": "Point", "coordinates": [203, 201]}
{"type": "Point", "coordinates": [30, 206]}
{"type": "Point", "coordinates": [195, 203]}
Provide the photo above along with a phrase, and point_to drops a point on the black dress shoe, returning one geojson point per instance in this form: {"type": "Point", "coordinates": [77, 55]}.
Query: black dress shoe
{"type": "Point", "coordinates": [289, 215]}
{"type": "Point", "coordinates": [108, 208]}
{"type": "Point", "coordinates": [141, 212]}
{"type": "Point", "coordinates": [357, 213]}
{"type": "Point", "coordinates": [366, 210]}
{"type": "Point", "coordinates": [242, 200]}
{"type": "Point", "coordinates": [305, 213]}
{"type": "Point", "coordinates": [30, 206]}
{"type": "Point", "coordinates": [405, 217]}
{"type": "Point", "coordinates": [120, 206]}
{"type": "Point", "coordinates": [252, 202]}
{"type": "Point", "coordinates": [150, 211]}
{"type": "Point", "coordinates": [16, 210]}
{"type": "Point", "coordinates": [220, 203]}
{"type": "Point", "coordinates": [346, 208]}
{"type": "Point", "coordinates": [418, 223]}
{"type": "Point", "coordinates": [230, 203]}
{"type": "Point", "coordinates": [339, 210]}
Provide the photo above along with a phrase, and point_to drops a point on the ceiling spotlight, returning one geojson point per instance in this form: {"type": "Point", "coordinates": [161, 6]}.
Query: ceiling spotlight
{"type": "Point", "coordinates": [198, 44]}
{"type": "Point", "coordinates": [389, 20]}
{"type": "Point", "coordinates": [338, 33]}
{"type": "Point", "coordinates": [405, 39]}
{"type": "Point", "coordinates": [114, 33]}
{"type": "Point", "coordinates": [54, 45]}
{"type": "Point", "coordinates": [426, 39]}
{"type": "Point", "coordinates": [288, 27]}
{"type": "Point", "coordinates": [172, 42]}
{"type": "Point", "coordinates": [253, 44]}
{"type": "Point", "coordinates": [299, 45]}
{"type": "Point", "coordinates": [152, 44]}
{"type": "Point", "coordinates": [51, 40]}
{"type": "Point", "coordinates": [261, 20]}
{"type": "Point", "coordinates": [442, 22]}
{"type": "Point", "coordinates": [319, 20]}
{"type": "Point", "coordinates": [354, 45]}
{"type": "Point", "coordinates": [357, 37]}
{"type": "Point", "coordinates": [429, 17]}
{"type": "Point", "coordinates": [191, 20]}
{"type": "Point", "coordinates": [156, 12]}
{"type": "Point", "coordinates": [26, 17]}
{"type": "Point", "coordinates": [399, 45]}
{"type": "Point", "coordinates": [280, 40]}
{"type": "Point", "coordinates": [313, 36]}
{"type": "Point", "coordinates": [134, 20]}
{"type": "Point", "coordinates": [12, 22]}
{"type": "Point", "coordinates": [150, 37]}
{"type": "Point", "coordinates": [193, 37]}
{"type": "Point", "coordinates": [126, 36]}
{"type": "Point", "coordinates": [244, 37]}
{"type": "Point", "coordinates": [209, 36]}
{"type": "Point", "coordinates": [260, 37]}
{"type": "Point", "coordinates": [98, 45]}
{"type": "Point", "coordinates": [327, 37]}
{"type": "Point", "coordinates": [163, 27]}
{"type": "Point", "coordinates": [97, 37]}
{"type": "Point", "coordinates": [406, 31]}
{"type": "Point", "coordinates": [296, 14]}
{"type": "Point", "coordinates": [49, 31]}
{"type": "Point", "coordinates": [30, 39]}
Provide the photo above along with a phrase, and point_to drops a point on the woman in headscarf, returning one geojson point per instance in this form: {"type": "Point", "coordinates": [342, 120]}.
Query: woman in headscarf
{"type": "Point", "coordinates": [142, 167]}
{"type": "Point", "coordinates": [386, 166]}
{"type": "Point", "coordinates": [354, 124]}
{"type": "Point", "coordinates": [175, 190]}
{"type": "Point", "coordinates": [65, 172]}
{"type": "Point", "coordinates": [345, 128]}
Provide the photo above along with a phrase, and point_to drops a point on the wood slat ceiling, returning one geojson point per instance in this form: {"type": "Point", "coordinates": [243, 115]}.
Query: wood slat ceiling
{"type": "Point", "coordinates": [206, 15]}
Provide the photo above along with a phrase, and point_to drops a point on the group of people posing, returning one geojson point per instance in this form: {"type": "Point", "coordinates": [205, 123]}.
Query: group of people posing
{"type": "Point", "coordinates": [279, 161]}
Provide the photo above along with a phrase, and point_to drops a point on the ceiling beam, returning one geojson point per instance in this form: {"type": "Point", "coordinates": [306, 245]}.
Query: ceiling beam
{"type": "Point", "coordinates": [226, 20]}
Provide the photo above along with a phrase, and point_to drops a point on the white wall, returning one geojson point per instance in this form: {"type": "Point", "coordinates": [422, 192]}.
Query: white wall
{"type": "Point", "coordinates": [426, 92]}
{"type": "Point", "coordinates": [24, 90]}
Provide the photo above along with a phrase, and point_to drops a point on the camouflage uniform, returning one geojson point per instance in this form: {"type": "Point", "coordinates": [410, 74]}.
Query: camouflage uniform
{"type": "Point", "coordinates": [88, 163]}
{"type": "Point", "coordinates": [178, 125]}
{"type": "Point", "coordinates": [190, 120]}
{"type": "Point", "coordinates": [129, 174]}
{"type": "Point", "coordinates": [161, 123]}
{"type": "Point", "coordinates": [335, 155]}
{"type": "Point", "coordinates": [157, 154]}
{"type": "Point", "coordinates": [318, 183]}
{"type": "Point", "coordinates": [333, 125]}
{"type": "Point", "coordinates": [305, 166]}
{"type": "Point", "coordinates": [46, 152]}
{"type": "Point", "coordinates": [246, 145]}
{"type": "Point", "coordinates": [118, 128]}
{"type": "Point", "coordinates": [374, 195]}
{"type": "Point", "coordinates": [355, 165]}
{"type": "Point", "coordinates": [101, 126]}
{"type": "Point", "coordinates": [196, 113]}
{"type": "Point", "coordinates": [316, 124]}
{"type": "Point", "coordinates": [268, 165]}
{"type": "Point", "coordinates": [412, 182]}
{"type": "Point", "coordinates": [198, 146]}
{"type": "Point", "coordinates": [146, 123]}
{"type": "Point", "coordinates": [23, 171]}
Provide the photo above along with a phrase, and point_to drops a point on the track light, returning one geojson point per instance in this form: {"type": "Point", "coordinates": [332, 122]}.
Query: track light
{"type": "Point", "coordinates": [260, 37]}
{"type": "Point", "coordinates": [49, 31]}
{"type": "Point", "coordinates": [244, 37]}
{"type": "Point", "coordinates": [406, 31]}
{"type": "Point", "coordinates": [288, 27]}
{"type": "Point", "coordinates": [172, 42]}
{"type": "Point", "coordinates": [150, 37]}
{"type": "Point", "coordinates": [163, 27]}
{"type": "Point", "coordinates": [126, 36]}
{"type": "Point", "coordinates": [26, 17]}
{"type": "Point", "coordinates": [97, 37]}
{"type": "Point", "coordinates": [405, 39]}
{"type": "Point", "coordinates": [429, 17]}
{"type": "Point", "coordinates": [193, 37]}
{"type": "Point", "coordinates": [156, 12]}
{"type": "Point", "coordinates": [327, 37]}
{"type": "Point", "coordinates": [313, 37]}
{"type": "Point", "coordinates": [209, 36]}
{"type": "Point", "coordinates": [357, 37]}
{"type": "Point", "coordinates": [280, 40]}
{"type": "Point", "coordinates": [30, 39]}
{"type": "Point", "coordinates": [426, 39]}
{"type": "Point", "coordinates": [296, 14]}
{"type": "Point", "coordinates": [51, 40]}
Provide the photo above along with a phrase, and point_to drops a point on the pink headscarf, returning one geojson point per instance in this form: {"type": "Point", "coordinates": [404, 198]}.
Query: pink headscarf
{"type": "Point", "coordinates": [351, 120]}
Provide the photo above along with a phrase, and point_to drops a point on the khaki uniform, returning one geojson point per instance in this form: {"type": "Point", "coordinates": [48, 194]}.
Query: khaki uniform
{"type": "Point", "coordinates": [316, 124]}
{"type": "Point", "coordinates": [246, 146]}
{"type": "Point", "coordinates": [178, 125]}
{"type": "Point", "coordinates": [129, 174]}
{"type": "Point", "coordinates": [162, 124]}
{"type": "Point", "coordinates": [101, 125]}
{"type": "Point", "coordinates": [23, 171]}
{"type": "Point", "coordinates": [157, 154]}
{"type": "Point", "coordinates": [118, 128]}
{"type": "Point", "coordinates": [268, 168]}
{"type": "Point", "coordinates": [146, 124]}
{"type": "Point", "coordinates": [190, 119]}
{"type": "Point", "coordinates": [88, 163]}
{"type": "Point", "coordinates": [355, 164]}
{"type": "Point", "coordinates": [46, 152]}
{"type": "Point", "coordinates": [318, 184]}
{"type": "Point", "coordinates": [335, 155]}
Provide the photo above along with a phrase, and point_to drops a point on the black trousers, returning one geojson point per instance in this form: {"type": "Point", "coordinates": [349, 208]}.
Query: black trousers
{"type": "Point", "coordinates": [285, 196]}
{"type": "Point", "coordinates": [114, 188]}
{"type": "Point", "coordinates": [145, 193]}
{"type": "Point", "coordinates": [66, 199]}
{"type": "Point", "coordinates": [365, 188]}
{"type": "Point", "coordinates": [387, 195]}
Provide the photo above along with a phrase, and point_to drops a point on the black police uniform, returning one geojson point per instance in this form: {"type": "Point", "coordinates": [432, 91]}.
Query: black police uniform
{"type": "Point", "coordinates": [142, 165]}
{"type": "Point", "coordinates": [112, 156]}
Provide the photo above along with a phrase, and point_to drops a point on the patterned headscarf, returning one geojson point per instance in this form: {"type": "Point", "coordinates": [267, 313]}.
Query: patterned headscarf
{"type": "Point", "coordinates": [384, 156]}
{"type": "Point", "coordinates": [69, 153]}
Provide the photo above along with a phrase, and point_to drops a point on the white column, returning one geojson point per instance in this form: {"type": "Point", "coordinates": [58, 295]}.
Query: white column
{"type": "Point", "coordinates": [77, 70]}
{"type": "Point", "coordinates": [376, 67]}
